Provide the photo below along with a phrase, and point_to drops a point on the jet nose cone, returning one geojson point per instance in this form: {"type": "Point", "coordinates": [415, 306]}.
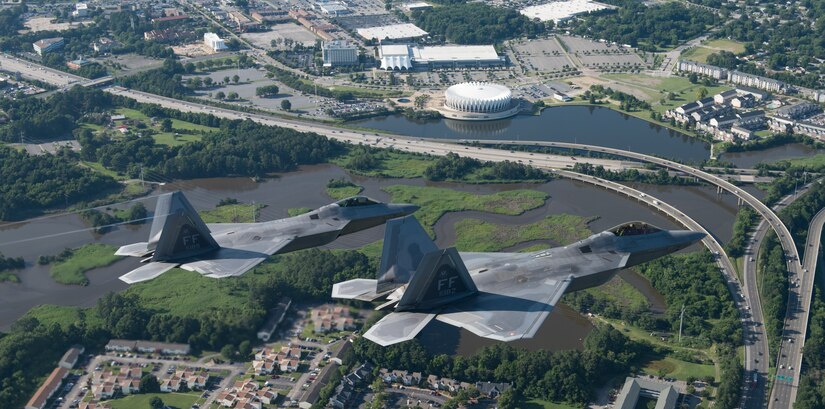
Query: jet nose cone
{"type": "Point", "coordinates": [688, 237]}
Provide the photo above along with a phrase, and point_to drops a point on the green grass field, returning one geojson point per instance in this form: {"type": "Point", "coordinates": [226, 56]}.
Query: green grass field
{"type": "Point", "coordinates": [172, 400]}
{"type": "Point", "coordinates": [91, 256]}
{"type": "Point", "coordinates": [678, 369]}
{"type": "Point", "coordinates": [182, 133]}
{"type": "Point", "coordinates": [63, 315]}
{"type": "Point", "coordinates": [479, 235]}
{"type": "Point", "coordinates": [436, 201]}
{"type": "Point", "coordinates": [701, 53]}
{"type": "Point", "coordinates": [234, 213]}
{"type": "Point", "coordinates": [343, 192]}
{"type": "Point", "coordinates": [657, 89]}
{"type": "Point", "coordinates": [97, 167]}
{"type": "Point", "coordinates": [811, 162]}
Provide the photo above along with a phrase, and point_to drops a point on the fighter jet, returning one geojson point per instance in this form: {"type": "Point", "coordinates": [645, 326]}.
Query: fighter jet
{"type": "Point", "coordinates": [179, 237]}
{"type": "Point", "coordinates": [502, 296]}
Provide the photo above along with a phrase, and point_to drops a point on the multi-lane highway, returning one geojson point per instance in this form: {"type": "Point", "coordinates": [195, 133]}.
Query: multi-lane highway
{"type": "Point", "coordinates": [38, 72]}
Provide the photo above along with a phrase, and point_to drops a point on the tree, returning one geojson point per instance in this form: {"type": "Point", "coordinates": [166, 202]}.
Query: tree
{"type": "Point", "coordinates": [228, 352]}
{"type": "Point", "coordinates": [267, 91]}
{"type": "Point", "coordinates": [207, 81]}
{"type": "Point", "coordinates": [226, 79]}
{"type": "Point", "coordinates": [232, 95]}
{"type": "Point", "coordinates": [244, 348]}
{"type": "Point", "coordinates": [236, 78]}
{"type": "Point", "coordinates": [149, 384]}
{"type": "Point", "coordinates": [220, 95]}
{"type": "Point", "coordinates": [703, 92]}
{"type": "Point", "coordinates": [156, 403]}
{"type": "Point", "coordinates": [166, 125]}
{"type": "Point", "coordinates": [286, 105]}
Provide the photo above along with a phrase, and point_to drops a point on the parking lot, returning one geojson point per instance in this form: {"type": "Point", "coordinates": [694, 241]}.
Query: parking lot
{"type": "Point", "coordinates": [601, 55]}
{"type": "Point", "coordinates": [283, 31]}
{"type": "Point", "coordinates": [542, 54]}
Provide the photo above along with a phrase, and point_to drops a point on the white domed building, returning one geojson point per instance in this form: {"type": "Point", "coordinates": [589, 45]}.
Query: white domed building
{"type": "Point", "coordinates": [478, 101]}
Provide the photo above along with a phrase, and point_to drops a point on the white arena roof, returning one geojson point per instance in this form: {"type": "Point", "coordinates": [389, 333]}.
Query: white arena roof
{"type": "Point", "coordinates": [393, 32]}
{"type": "Point", "coordinates": [455, 53]}
{"type": "Point", "coordinates": [563, 10]}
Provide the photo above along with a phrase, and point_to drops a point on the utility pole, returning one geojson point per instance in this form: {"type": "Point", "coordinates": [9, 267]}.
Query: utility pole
{"type": "Point", "coordinates": [142, 182]}
{"type": "Point", "coordinates": [253, 212]}
{"type": "Point", "coordinates": [681, 319]}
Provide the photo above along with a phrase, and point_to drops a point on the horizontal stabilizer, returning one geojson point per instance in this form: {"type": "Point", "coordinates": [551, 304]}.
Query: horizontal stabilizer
{"type": "Point", "coordinates": [398, 327]}
{"type": "Point", "coordinates": [509, 315]}
{"type": "Point", "coordinates": [358, 289]}
{"type": "Point", "coordinates": [147, 272]}
{"type": "Point", "coordinates": [134, 250]}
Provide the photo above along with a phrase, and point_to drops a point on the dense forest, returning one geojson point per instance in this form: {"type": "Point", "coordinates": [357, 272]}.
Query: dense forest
{"type": "Point", "coordinates": [454, 167]}
{"type": "Point", "coordinates": [476, 23]}
{"type": "Point", "coordinates": [29, 184]}
{"type": "Point", "coordinates": [165, 80]}
{"type": "Point", "coordinates": [660, 177]}
{"type": "Point", "coordinates": [566, 376]}
{"type": "Point", "coordinates": [811, 387]}
{"type": "Point", "coordinates": [648, 27]}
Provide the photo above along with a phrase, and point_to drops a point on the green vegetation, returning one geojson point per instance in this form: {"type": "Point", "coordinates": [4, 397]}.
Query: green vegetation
{"type": "Point", "coordinates": [456, 168]}
{"type": "Point", "coordinates": [773, 287]}
{"type": "Point", "coordinates": [63, 316]}
{"type": "Point", "coordinates": [435, 201]}
{"type": "Point", "coordinates": [142, 401]}
{"type": "Point", "coordinates": [811, 388]}
{"type": "Point", "coordinates": [543, 404]}
{"type": "Point", "coordinates": [746, 220]}
{"type": "Point", "coordinates": [679, 369]}
{"type": "Point", "coordinates": [660, 177]}
{"type": "Point", "coordinates": [700, 53]}
{"type": "Point", "coordinates": [476, 23]}
{"type": "Point", "coordinates": [664, 93]}
{"type": "Point", "coordinates": [384, 163]}
{"type": "Point", "coordinates": [566, 376]}
{"type": "Point", "coordinates": [10, 263]}
{"type": "Point", "coordinates": [295, 211]}
{"type": "Point", "coordinates": [479, 235]}
{"type": "Point", "coordinates": [72, 269]}
{"type": "Point", "coordinates": [650, 28]}
{"type": "Point", "coordinates": [233, 213]}
{"type": "Point", "coordinates": [341, 189]}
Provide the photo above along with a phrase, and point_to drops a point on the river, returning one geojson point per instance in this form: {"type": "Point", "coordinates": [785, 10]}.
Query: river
{"type": "Point", "coordinates": [305, 188]}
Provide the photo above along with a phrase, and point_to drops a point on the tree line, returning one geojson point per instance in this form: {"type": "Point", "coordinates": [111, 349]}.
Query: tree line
{"type": "Point", "coordinates": [660, 177]}
{"type": "Point", "coordinates": [476, 23]}
{"type": "Point", "coordinates": [454, 167]}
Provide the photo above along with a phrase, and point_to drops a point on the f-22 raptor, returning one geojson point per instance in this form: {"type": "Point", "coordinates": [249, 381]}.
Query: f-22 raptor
{"type": "Point", "coordinates": [502, 296]}
{"type": "Point", "coordinates": [179, 237]}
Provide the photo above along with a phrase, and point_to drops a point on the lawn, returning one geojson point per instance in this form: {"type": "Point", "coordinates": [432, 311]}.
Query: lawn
{"type": "Point", "coordinates": [73, 270]}
{"type": "Point", "coordinates": [175, 139]}
{"type": "Point", "coordinates": [171, 400]}
{"type": "Point", "coordinates": [233, 213]}
{"type": "Point", "coordinates": [479, 235]}
{"type": "Point", "coordinates": [182, 132]}
{"type": "Point", "coordinates": [97, 167]}
{"type": "Point", "coordinates": [701, 53]}
{"type": "Point", "coordinates": [657, 89]}
{"type": "Point", "coordinates": [435, 201]}
{"type": "Point", "coordinates": [678, 369]}
{"type": "Point", "coordinates": [63, 315]}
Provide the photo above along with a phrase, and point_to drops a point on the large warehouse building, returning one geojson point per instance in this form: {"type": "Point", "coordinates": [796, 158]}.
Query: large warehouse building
{"type": "Point", "coordinates": [399, 57]}
{"type": "Point", "coordinates": [392, 32]}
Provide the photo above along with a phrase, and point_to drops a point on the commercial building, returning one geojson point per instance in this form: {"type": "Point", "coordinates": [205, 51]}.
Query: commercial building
{"type": "Point", "coordinates": [78, 63]}
{"type": "Point", "coordinates": [560, 11]}
{"type": "Point", "coordinates": [333, 8]}
{"type": "Point", "coordinates": [397, 57]}
{"type": "Point", "coordinates": [418, 6]}
{"type": "Point", "coordinates": [339, 52]}
{"type": "Point", "coordinates": [479, 97]}
{"type": "Point", "coordinates": [80, 10]}
{"type": "Point", "coordinates": [47, 45]}
{"type": "Point", "coordinates": [276, 316]}
{"type": "Point", "coordinates": [270, 15]}
{"type": "Point", "coordinates": [214, 42]}
{"type": "Point", "coordinates": [392, 32]}
{"type": "Point", "coordinates": [104, 45]}
{"type": "Point", "coordinates": [665, 394]}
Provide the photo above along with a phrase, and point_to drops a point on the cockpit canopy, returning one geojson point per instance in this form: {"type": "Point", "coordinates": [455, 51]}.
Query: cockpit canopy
{"type": "Point", "coordinates": [356, 201]}
{"type": "Point", "coordinates": [634, 229]}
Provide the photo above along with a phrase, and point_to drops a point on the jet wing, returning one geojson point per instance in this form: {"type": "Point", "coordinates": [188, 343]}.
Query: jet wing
{"type": "Point", "coordinates": [398, 327]}
{"type": "Point", "coordinates": [147, 272]}
{"type": "Point", "coordinates": [234, 261]}
{"type": "Point", "coordinates": [218, 228]}
{"type": "Point", "coordinates": [134, 250]}
{"type": "Point", "coordinates": [506, 313]}
{"type": "Point", "coordinates": [358, 289]}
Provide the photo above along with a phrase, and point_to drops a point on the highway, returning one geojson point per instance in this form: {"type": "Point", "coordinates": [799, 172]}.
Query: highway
{"type": "Point", "coordinates": [800, 292]}
{"type": "Point", "coordinates": [38, 72]}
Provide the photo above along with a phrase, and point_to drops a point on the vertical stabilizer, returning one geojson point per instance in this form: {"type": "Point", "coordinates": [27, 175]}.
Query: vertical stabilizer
{"type": "Point", "coordinates": [441, 279]}
{"type": "Point", "coordinates": [405, 245]}
{"type": "Point", "coordinates": [177, 230]}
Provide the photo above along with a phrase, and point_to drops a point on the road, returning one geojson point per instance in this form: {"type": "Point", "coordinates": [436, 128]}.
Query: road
{"type": "Point", "coordinates": [800, 292]}
{"type": "Point", "coordinates": [38, 72]}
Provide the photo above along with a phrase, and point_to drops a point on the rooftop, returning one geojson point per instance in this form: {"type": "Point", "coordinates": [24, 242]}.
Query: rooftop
{"type": "Point", "coordinates": [394, 31]}
{"type": "Point", "coordinates": [562, 10]}
{"type": "Point", "coordinates": [455, 52]}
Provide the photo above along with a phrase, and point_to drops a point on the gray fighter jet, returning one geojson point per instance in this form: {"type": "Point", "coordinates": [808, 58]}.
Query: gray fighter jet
{"type": "Point", "coordinates": [180, 238]}
{"type": "Point", "coordinates": [502, 296]}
